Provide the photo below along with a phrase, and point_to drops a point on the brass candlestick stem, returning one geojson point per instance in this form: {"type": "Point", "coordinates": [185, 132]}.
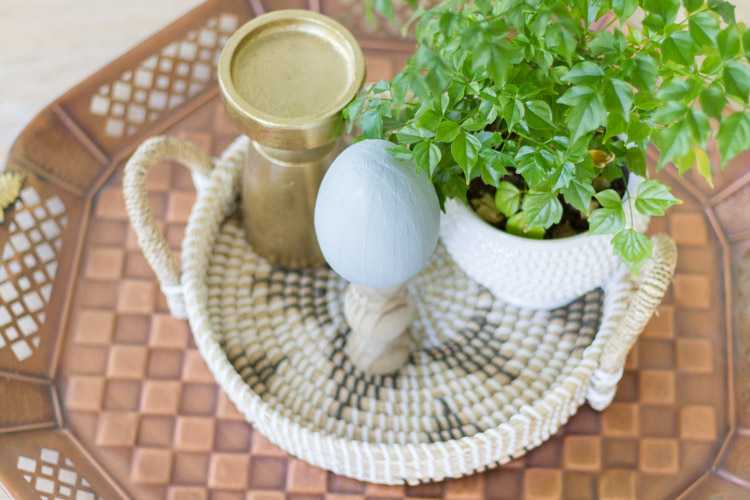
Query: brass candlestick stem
{"type": "Point", "coordinates": [285, 77]}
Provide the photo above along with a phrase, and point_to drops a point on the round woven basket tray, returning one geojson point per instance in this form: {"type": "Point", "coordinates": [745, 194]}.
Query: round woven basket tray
{"type": "Point", "coordinates": [485, 381]}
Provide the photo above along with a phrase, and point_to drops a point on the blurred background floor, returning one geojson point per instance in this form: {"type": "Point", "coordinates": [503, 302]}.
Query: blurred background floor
{"type": "Point", "coordinates": [47, 46]}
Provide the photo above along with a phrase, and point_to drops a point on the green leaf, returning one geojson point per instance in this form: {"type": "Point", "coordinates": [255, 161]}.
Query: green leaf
{"type": "Point", "coordinates": [412, 134]}
{"type": "Point", "coordinates": [704, 165]}
{"type": "Point", "coordinates": [603, 43]}
{"type": "Point", "coordinates": [465, 150]}
{"type": "Point", "coordinates": [700, 127]}
{"type": "Point", "coordinates": [635, 36]}
{"type": "Point", "coordinates": [380, 87]}
{"type": "Point", "coordinates": [685, 162]}
{"type": "Point", "coordinates": [372, 125]}
{"type": "Point", "coordinates": [713, 101]}
{"type": "Point", "coordinates": [485, 6]}
{"type": "Point", "coordinates": [385, 7]}
{"type": "Point", "coordinates": [542, 209]}
{"type": "Point", "coordinates": [624, 8]}
{"type": "Point", "coordinates": [576, 94]}
{"type": "Point", "coordinates": [737, 79]}
{"type": "Point", "coordinates": [507, 198]}
{"type": "Point", "coordinates": [667, 9]}
{"type": "Point", "coordinates": [746, 44]}
{"type": "Point", "coordinates": [518, 225]}
{"type": "Point", "coordinates": [673, 89]}
{"type": "Point", "coordinates": [692, 5]}
{"type": "Point", "coordinates": [445, 103]}
{"type": "Point", "coordinates": [430, 120]}
{"type": "Point", "coordinates": [724, 9]}
{"type": "Point", "coordinates": [494, 165]}
{"type": "Point", "coordinates": [734, 136]}
{"type": "Point", "coordinates": [451, 186]}
{"type": "Point", "coordinates": [672, 142]}
{"type": "Point", "coordinates": [712, 64]}
{"type": "Point", "coordinates": [636, 161]}
{"type": "Point", "coordinates": [427, 156]}
{"type": "Point", "coordinates": [489, 139]}
{"type": "Point", "coordinates": [561, 41]}
{"type": "Point", "coordinates": [728, 42]}
{"type": "Point", "coordinates": [609, 198]}
{"type": "Point", "coordinates": [438, 77]}
{"type": "Point", "coordinates": [402, 153]}
{"type": "Point", "coordinates": [481, 56]}
{"type": "Point", "coordinates": [513, 113]}
{"type": "Point", "coordinates": [401, 84]}
{"type": "Point", "coordinates": [669, 112]}
{"type": "Point", "coordinates": [633, 248]}
{"type": "Point", "coordinates": [488, 110]}
{"type": "Point", "coordinates": [638, 131]}
{"type": "Point", "coordinates": [528, 167]}
{"type": "Point", "coordinates": [532, 172]}
{"type": "Point", "coordinates": [607, 220]}
{"type": "Point", "coordinates": [562, 175]}
{"type": "Point", "coordinates": [456, 92]}
{"type": "Point", "coordinates": [447, 131]}
{"type": "Point", "coordinates": [351, 112]}
{"type": "Point", "coordinates": [498, 68]}
{"type": "Point", "coordinates": [616, 125]}
{"type": "Point", "coordinates": [586, 116]}
{"type": "Point", "coordinates": [592, 13]}
{"type": "Point", "coordinates": [704, 29]}
{"type": "Point", "coordinates": [654, 22]}
{"type": "Point", "coordinates": [654, 198]}
{"type": "Point", "coordinates": [644, 73]}
{"type": "Point", "coordinates": [621, 40]}
{"type": "Point", "coordinates": [585, 72]}
{"type": "Point", "coordinates": [679, 48]}
{"type": "Point", "coordinates": [540, 116]}
{"type": "Point", "coordinates": [475, 123]}
{"type": "Point", "coordinates": [579, 195]}
{"type": "Point", "coordinates": [646, 101]}
{"type": "Point", "coordinates": [384, 108]}
{"type": "Point", "coordinates": [618, 96]}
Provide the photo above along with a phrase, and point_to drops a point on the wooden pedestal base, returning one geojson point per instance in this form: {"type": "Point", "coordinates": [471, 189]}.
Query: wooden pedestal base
{"type": "Point", "coordinates": [378, 317]}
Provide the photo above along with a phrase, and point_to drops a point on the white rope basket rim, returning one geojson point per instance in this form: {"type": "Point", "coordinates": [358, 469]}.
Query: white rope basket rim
{"type": "Point", "coordinates": [406, 463]}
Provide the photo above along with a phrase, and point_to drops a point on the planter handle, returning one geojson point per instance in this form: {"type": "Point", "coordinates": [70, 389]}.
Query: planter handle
{"type": "Point", "coordinates": [652, 284]}
{"type": "Point", "coordinates": [150, 238]}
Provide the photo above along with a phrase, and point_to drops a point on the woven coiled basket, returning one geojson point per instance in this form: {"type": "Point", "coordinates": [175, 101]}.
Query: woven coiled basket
{"type": "Point", "coordinates": [485, 382]}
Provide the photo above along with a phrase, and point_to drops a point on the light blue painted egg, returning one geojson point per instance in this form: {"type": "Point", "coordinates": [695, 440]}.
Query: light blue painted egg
{"type": "Point", "coordinates": [377, 219]}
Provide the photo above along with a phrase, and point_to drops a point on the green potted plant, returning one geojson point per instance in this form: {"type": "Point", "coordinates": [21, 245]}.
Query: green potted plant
{"type": "Point", "coordinates": [532, 119]}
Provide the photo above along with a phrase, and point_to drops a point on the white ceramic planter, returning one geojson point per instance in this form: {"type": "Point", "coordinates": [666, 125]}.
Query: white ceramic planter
{"type": "Point", "coordinates": [538, 274]}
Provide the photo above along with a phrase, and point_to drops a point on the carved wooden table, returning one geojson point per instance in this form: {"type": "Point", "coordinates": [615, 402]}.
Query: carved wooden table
{"type": "Point", "coordinates": [104, 395]}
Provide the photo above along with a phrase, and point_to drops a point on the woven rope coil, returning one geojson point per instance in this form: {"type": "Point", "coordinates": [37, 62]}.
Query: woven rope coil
{"type": "Point", "coordinates": [485, 382]}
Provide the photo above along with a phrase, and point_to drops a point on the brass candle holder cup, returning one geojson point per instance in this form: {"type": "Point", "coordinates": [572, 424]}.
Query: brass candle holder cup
{"type": "Point", "coordinates": [285, 77]}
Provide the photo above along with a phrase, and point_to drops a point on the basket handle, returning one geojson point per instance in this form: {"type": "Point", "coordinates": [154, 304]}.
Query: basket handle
{"type": "Point", "coordinates": [151, 240]}
{"type": "Point", "coordinates": [655, 278]}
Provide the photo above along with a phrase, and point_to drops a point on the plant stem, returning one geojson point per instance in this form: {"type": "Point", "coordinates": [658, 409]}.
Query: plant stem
{"type": "Point", "coordinates": [630, 205]}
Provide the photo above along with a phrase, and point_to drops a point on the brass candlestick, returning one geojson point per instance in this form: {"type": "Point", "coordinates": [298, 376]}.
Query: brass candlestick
{"type": "Point", "coordinates": [285, 77]}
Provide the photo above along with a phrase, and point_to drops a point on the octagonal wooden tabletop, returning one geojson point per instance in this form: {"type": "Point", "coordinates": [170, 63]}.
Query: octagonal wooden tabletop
{"type": "Point", "coordinates": [104, 395]}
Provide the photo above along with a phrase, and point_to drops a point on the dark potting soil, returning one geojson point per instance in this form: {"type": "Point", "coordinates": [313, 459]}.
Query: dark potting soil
{"type": "Point", "coordinates": [572, 222]}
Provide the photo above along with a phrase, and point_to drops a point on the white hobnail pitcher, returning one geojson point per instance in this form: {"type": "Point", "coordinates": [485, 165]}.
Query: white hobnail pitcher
{"type": "Point", "coordinates": [536, 274]}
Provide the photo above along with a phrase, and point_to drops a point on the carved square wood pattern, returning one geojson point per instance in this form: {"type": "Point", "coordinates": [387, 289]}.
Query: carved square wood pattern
{"type": "Point", "coordinates": [104, 395]}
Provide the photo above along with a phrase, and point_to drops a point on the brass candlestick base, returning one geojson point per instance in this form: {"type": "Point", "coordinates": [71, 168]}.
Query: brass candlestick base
{"type": "Point", "coordinates": [285, 77]}
{"type": "Point", "coordinates": [279, 188]}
